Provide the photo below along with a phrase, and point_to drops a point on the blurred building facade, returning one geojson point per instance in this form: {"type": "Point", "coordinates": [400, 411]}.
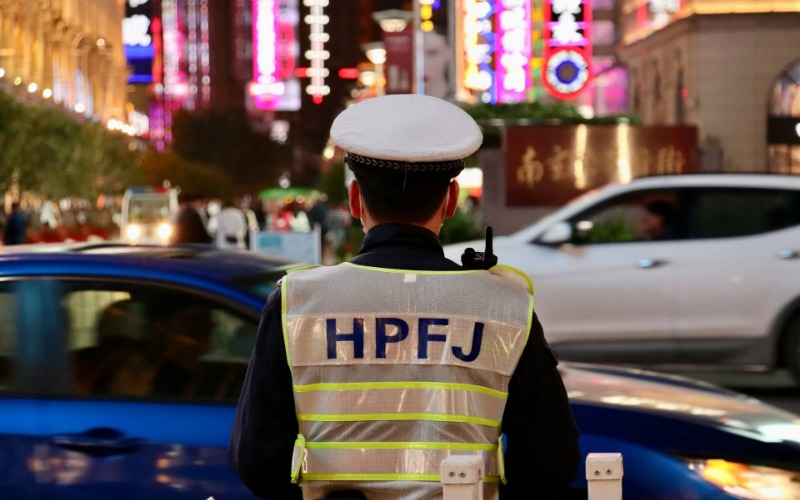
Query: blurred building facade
{"type": "Point", "coordinates": [67, 51]}
{"type": "Point", "coordinates": [729, 66]}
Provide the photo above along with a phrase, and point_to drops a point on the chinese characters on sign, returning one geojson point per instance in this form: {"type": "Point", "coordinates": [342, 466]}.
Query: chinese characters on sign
{"type": "Point", "coordinates": [513, 37]}
{"type": "Point", "coordinates": [567, 47]}
{"type": "Point", "coordinates": [479, 49]}
{"type": "Point", "coordinates": [551, 165]}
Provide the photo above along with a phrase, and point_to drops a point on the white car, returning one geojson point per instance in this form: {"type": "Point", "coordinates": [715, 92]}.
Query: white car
{"type": "Point", "coordinates": [720, 287]}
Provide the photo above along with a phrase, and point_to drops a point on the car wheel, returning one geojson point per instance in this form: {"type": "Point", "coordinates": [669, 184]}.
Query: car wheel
{"type": "Point", "coordinates": [791, 349]}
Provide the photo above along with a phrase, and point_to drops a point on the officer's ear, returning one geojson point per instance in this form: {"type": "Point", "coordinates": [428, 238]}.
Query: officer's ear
{"type": "Point", "coordinates": [354, 196]}
{"type": "Point", "coordinates": [452, 199]}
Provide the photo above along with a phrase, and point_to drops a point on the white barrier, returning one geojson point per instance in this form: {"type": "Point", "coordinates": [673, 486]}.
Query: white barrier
{"type": "Point", "coordinates": [604, 476]}
{"type": "Point", "coordinates": [462, 477]}
{"type": "Point", "coordinates": [302, 246]}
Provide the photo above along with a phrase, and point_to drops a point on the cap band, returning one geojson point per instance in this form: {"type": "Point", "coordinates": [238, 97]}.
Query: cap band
{"type": "Point", "coordinates": [422, 167]}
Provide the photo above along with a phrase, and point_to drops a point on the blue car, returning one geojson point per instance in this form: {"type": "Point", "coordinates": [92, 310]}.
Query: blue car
{"type": "Point", "coordinates": [120, 367]}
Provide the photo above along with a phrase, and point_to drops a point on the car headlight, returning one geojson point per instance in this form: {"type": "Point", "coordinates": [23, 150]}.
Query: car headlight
{"type": "Point", "coordinates": [133, 231]}
{"type": "Point", "coordinates": [164, 231]}
{"type": "Point", "coordinates": [748, 481]}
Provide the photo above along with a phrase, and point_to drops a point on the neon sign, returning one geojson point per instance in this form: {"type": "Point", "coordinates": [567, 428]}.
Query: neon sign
{"type": "Point", "coordinates": [317, 55]}
{"type": "Point", "coordinates": [266, 85]}
{"type": "Point", "coordinates": [175, 85]}
{"type": "Point", "coordinates": [479, 48]}
{"type": "Point", "coordinates": [567, 47]}
{"type": "Point", "coordinates": [138, 41]}
{"type": "Point", "coordinates": [513, 38]}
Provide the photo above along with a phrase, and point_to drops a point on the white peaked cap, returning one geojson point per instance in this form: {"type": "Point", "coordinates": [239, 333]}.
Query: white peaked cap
{"type": "Point", "coordinates": [409, 128]}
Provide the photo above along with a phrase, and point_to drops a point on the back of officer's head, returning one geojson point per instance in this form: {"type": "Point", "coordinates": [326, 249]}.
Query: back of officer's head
{"type": "Point", "coordinates": [404, 150]}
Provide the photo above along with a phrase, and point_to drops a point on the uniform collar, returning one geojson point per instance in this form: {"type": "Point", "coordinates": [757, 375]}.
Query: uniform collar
{"type": "Point", "coordinates": [403, 246]}
{"type": "Point", "coordinates": [394, 235]}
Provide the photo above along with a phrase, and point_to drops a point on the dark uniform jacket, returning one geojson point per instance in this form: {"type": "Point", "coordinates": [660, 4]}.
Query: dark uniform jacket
{"type": "Point", "coordinates": [542, 454]}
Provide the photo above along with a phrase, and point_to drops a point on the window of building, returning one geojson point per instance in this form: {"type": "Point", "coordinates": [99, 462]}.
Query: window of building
{"type": "Point", "coordinates": [783, 122]}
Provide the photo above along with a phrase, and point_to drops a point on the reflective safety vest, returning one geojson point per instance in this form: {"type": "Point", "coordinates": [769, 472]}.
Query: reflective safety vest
{"type": "Point", "coordinates": [394, 371]}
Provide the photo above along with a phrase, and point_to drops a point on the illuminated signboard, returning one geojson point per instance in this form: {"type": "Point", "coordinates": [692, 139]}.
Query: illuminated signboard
{"type": "Point", "coordinates": [478, 46]}
{"type": "Point", "coordinates": [138, 40]}
{"type": "Point", "coordinates": [567, 47]}
{"type": "Point", "coordinates": [175, 85]}
{"type": "Point", "coordinates": [317, 55]}
{"type": "Point", "coordinates": [266, 86]}
{"type": "Point", "coordinates": [513, 49]}
{"type": "Point", "coordinates": [275, 51]}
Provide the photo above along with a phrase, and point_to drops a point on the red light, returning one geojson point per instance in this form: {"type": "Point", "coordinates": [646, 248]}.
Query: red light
{"type": "Point", "coordinates": [349, 73]}
{"type": "Point", "coordinates": [317, 99]}
{"type": "Point", "coordinates": [301, 72]}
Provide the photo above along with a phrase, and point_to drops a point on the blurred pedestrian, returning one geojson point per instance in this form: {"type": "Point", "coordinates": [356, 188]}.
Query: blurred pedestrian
{"type": "Point", "coordinates": [401, 352]}
{"type": "Point", "coordinates": [191, 222]}
{"type": "Point", "coordinates": [231, 226]}
{"type": "Point", "coordinates": [16, 226]}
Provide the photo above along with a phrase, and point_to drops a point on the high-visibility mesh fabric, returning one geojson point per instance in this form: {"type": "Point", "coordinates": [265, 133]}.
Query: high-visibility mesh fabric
{"type": "Point", "coordinates": [457, 293]}
{"type": "Point", "coordinates": [388, 490]}
{"type": "Point", "coordinates": [460, 328]}
{"type": "Point", "coordinates": [399, 430]}
{"type": "Point", "coordinates": [341, 374]}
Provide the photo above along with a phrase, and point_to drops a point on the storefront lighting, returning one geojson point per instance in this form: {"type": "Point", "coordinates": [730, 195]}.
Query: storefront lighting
{"type": "Point", "coordinates": [47, 93]}
{"type": "Point", "coordinates": [18, 80]}
{"type": "Point", "coordinates": [375, 52]}
{"type": "Point", "coordinates": [392, 20]}
{"type": "Point", "coordinates": [368, 78]}
{"type": "Point", "coordinates": [32, 87]}
{"type": "Point", "coordinates": [80, 108]}
{"type": "Point", "coordinates": [2, 72]}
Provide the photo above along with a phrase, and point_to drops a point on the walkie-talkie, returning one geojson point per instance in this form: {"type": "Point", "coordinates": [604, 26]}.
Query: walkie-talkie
{"type": "Point", "coordinates": [471, 259]}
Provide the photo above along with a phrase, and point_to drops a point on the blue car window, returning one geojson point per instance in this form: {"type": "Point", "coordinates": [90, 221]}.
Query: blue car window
{"type": "Point", "coordinates": [149, 342]}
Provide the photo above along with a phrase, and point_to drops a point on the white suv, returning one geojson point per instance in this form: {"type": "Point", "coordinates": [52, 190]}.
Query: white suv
{"type": "Point", "coordinates": [719, 286]}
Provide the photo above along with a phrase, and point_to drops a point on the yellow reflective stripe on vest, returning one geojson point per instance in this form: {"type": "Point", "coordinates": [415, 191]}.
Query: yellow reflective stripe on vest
{"type": "Point", "coordinates": [393, 445]}
{"type": "Point", "coordinates": [437, 478]}
{"type": "Point", "coordinates": [370, 417]}
{"type": "Point", "coordinates": [428, 353]}
{"type": "Point", "coordinates": [370, 461]}
{"type": "Point", "coordinates": [356, 386]}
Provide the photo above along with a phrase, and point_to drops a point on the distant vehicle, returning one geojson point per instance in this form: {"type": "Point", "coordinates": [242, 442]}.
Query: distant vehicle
{"type": "Point", "coordinates": [120, 367]}
{"type": "Point", "coordinates": [147, 214]}
{"type": "Point", "coordinates": [717, 286]}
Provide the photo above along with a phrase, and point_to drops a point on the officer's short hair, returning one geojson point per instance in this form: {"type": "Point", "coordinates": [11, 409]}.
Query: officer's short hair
{"type": "Point", "coordinates": [404, 150]}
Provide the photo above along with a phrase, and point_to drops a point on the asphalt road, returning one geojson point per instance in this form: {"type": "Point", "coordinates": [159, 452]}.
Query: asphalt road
{"type": "Point", "coordinates": [777, 389]}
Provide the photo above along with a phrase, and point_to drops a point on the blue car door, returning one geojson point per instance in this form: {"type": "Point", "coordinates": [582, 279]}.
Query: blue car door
{"type": "Point", "coordinates": [154, 374]}
{"type": "Point", "coordinates": [24, 468]}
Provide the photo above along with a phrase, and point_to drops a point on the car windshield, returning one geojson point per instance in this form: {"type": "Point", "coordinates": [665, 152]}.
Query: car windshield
{"type": "Point", "coordinates": [148, 210]}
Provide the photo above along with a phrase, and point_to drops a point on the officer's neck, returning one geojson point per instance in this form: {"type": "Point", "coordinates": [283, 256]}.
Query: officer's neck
{"type": "Point", "coordinates": [433, 225]}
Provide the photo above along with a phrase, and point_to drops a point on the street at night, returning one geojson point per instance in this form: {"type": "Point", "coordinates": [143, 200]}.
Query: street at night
{"type": "Point", "coordinates": [400, 249]}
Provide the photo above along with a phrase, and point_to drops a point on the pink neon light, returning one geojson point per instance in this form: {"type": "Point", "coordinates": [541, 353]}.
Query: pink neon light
{"type": "Point", "coordinates": [266, 69]}
{"type": "Point", "coordinates": [513, 50]}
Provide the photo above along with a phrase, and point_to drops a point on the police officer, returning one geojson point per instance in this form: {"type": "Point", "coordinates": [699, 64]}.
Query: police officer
{"type": "Point", "coordinates": [366, 375]}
